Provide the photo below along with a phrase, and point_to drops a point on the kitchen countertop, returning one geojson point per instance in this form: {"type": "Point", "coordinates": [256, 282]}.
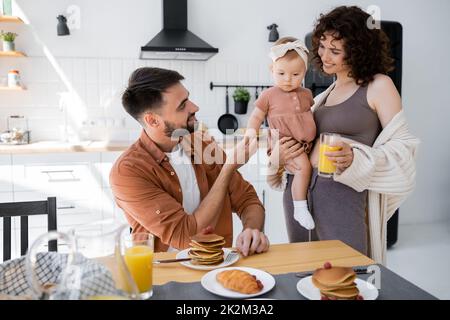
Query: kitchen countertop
{"type": "Point", "coordinates": [83, 146]}
{"type": "Point", "coordinates": [61, 146]}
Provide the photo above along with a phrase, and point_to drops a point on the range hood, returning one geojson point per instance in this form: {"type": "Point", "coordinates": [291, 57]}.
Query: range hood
{"type": "Point", "coordinates": [175, 41]}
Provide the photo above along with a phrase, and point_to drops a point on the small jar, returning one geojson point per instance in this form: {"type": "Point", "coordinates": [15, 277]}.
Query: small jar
{"type": "Point", "coordinates": [13, 78]}
{"type": "Point", "coordinates": [18, 129]}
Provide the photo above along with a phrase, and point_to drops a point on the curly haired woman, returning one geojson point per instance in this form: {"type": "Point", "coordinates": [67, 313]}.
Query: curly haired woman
{"type": "Point", "coordinates": [376, 164]}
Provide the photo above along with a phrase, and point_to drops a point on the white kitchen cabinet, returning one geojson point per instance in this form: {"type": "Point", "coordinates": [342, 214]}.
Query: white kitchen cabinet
{"type": "Point", "coordinates": [8, 197]}
{"type": "Point", "coordinates": [70, 177]}
{"type": "Point", "coordinates": [275, 227]}
{"type": "Point", "coordinates": [110, 209]}
{"type": "Point", "coordinates": [70, 211]}
{"type": "Point", "coordinates": [64, 175]}
{"type": "Point", "coordinates": [103, 167]}
{"type": "Point", "coordinates": [33, 234]}
{"type": "Point", "coordinates": [255, 172]}
{"type": "Point", "coordinates": [5, 197]}
{"type": "Point", "coordinates": [109, 206]}
{"type": "Point", "coordinates": [5, 173]}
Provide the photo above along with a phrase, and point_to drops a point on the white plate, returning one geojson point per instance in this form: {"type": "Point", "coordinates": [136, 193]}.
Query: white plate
{"type": "Point", "coordinates": [210, 283]}
{"type": "Point", "coordinates": [226, 251]}
{"type": "Point", "coordinates": [307, 289]}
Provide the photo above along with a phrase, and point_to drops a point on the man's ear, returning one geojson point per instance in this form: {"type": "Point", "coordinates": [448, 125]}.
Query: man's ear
{"type": "Point", "coordinates": [151, 120]}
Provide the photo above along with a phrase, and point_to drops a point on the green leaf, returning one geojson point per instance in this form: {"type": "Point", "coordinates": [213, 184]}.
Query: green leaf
{"type": "Point", "coordinates": [241, 94]}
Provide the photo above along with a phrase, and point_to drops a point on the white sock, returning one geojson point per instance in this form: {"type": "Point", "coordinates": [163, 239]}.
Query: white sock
{"type": "Point", "coordinates": [302, 215]}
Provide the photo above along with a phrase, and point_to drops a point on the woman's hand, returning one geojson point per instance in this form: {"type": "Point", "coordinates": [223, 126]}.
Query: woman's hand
{"type": "Point", "coordinates": [284, 149]}
{"type": "Point", "coordinates": [342, 158]}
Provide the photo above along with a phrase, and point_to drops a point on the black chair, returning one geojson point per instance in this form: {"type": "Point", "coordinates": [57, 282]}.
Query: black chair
{"type": "Point", "coordinates": [23, 210]}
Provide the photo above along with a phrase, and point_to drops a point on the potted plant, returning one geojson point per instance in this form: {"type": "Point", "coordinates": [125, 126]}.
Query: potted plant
{"type": "Point", "coordinates": [8, 40]}
{"type": "Point", "coordinates": [241, 98]}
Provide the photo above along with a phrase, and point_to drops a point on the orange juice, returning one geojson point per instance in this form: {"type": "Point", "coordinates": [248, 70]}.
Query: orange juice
{"type": "Point", "coordinates": [326, 167]}
{"type": "Point", "coordinates": [139, 260]}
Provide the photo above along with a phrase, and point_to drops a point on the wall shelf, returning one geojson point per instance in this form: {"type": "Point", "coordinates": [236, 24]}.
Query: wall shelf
{"type": "Point", "coordinates": [10, 19]}
{"type": "Point", "coordinates": [12, 54]}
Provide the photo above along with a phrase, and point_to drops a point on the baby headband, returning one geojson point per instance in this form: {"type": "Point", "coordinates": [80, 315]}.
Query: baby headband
{"type": "Point", "coordinates": [280, 50]}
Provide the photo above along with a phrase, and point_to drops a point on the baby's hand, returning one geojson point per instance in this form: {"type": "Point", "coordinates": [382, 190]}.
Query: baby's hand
{"type": "Point", "coordinates": [241, 153]}
{"type": "Point", "coordinates": [251, 133]}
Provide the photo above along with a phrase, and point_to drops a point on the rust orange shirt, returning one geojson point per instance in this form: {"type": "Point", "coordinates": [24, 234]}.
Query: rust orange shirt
{"type": "Point", "coordinates": [147, 189]}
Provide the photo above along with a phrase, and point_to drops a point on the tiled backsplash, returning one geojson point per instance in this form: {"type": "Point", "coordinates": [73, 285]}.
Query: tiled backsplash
{"type": "Point", "coordinates": [79, 98]}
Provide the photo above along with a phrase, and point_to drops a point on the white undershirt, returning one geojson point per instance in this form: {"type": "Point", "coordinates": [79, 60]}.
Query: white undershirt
{"type": "Point", "coordinates": [182, 165]}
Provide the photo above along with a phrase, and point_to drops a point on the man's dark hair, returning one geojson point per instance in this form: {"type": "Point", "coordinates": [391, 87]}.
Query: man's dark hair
{"type": "Point", "coordinates": [145, 88]}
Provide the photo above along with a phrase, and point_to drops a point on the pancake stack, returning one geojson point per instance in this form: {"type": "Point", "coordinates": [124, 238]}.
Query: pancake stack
{"type": "Point", "coordinates": [336, 283]}
{"type": "Point", "coordinates": [206, 249]}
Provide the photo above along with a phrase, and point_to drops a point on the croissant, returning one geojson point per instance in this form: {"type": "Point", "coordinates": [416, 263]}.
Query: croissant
{"type": "Point", "coordinates": [240, 281]}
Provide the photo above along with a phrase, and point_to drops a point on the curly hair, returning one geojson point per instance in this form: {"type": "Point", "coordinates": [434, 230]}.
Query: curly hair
{"type": "Point", "coordinates": [367, 51]}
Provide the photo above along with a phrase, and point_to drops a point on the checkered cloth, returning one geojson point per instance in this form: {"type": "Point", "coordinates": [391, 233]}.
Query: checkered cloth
{"type": "Point", "coordinates": [84, 277]}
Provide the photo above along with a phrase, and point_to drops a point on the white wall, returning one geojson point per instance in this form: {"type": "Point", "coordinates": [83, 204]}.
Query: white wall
{"type": "Point", "coordinates": [90, 69]}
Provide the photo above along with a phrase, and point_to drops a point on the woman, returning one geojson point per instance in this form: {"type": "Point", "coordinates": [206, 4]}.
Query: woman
{"type": "Point", "coordinates": [375, 167]}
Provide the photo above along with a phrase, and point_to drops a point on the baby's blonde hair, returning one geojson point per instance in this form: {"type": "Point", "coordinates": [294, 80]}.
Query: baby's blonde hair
{"type": "Point", "coordinates": [291, 54]}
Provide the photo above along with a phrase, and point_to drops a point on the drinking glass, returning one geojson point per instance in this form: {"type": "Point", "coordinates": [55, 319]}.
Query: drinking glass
{"type": "Point", "coordinates": [137, 251]}
{"type": "Point", "coordinates": [328, 143]}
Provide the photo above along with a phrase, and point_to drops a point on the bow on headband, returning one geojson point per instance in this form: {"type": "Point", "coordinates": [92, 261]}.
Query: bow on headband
{"type": "Point", "coordinates": [280, 50]}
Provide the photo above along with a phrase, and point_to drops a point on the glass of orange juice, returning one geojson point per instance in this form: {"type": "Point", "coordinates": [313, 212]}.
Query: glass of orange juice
{"type": "Point", "coordinates": [137, 251]}
{"type": "Point", "coordinates": [328, 143]}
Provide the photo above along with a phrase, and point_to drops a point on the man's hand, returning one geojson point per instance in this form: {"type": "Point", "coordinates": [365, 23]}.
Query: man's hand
{"type": "Point", "coordinates": [252, 241]}
{"type": "Point", "coordinates": [241, 153]}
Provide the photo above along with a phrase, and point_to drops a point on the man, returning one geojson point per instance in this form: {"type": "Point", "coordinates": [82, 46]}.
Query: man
{"type": "Point", "coordinates": [163, 190]}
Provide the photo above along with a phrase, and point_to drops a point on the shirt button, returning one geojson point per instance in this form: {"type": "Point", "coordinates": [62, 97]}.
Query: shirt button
{"type": "Point", "coordinates": [166, 158]}
{"type": "Point", "coordinates": [158, 212]}
{"type": "Point", "coordinates": [172, 173]}
{"type": "Point", "coordinates": [179, 190]}
{"type": "Point", "coordinates": [295, 98]}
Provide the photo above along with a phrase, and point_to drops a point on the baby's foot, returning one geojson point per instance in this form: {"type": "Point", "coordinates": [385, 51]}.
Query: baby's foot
{"type": "Point", "coordinates": [302, 215]}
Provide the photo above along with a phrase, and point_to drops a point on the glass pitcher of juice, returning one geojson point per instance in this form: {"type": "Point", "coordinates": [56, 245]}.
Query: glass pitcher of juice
{"type": "Point", "coordinates": [89, 267]}
{"type": "Point", "coordinates": [100, 242]}
{"type": "Point", "coordinates": [328, 141]}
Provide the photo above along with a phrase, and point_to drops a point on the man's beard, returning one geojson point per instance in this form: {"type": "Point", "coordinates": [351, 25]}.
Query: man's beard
{"type": "Point", "coordinates": [171, 130]}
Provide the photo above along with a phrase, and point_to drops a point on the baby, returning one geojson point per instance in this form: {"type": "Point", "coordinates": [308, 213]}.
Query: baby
{"type": "Point", "coordinates": [288, 109]}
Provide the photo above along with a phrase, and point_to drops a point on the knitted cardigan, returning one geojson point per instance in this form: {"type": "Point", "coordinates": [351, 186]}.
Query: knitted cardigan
{"type": "Point", "coordinates": [387, 170]}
